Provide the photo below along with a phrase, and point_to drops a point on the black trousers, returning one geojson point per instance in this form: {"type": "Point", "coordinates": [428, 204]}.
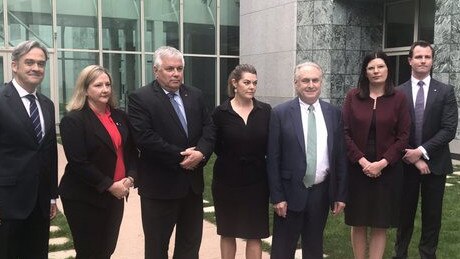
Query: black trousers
{"type": "Point", "coordinates": [431, 187]}
{"type": "Point", "coordinates": [159, 218]}
{"type": "Point", "coordinates": [309, 224]}
{"type": "Point", "coordinates": [94, 230]}
{"type": "Point", "coordinates": [26, 238]}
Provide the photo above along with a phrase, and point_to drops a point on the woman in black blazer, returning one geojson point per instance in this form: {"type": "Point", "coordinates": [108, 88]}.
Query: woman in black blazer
{"type": "Point", "coordinates": [101, 164]}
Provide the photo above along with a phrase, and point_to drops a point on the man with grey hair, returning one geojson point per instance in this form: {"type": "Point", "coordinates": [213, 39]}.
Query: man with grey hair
{"type": "Point", "coordinates": [173, 132]}
{"type": "Point", "coordinates": [28, 151]}
{"type": "Point", "coordinates": [306, 165]}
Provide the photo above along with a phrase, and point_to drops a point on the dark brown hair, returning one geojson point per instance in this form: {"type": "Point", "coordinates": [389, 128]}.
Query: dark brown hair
{"type": "Point", "coordinates": [363, 83]}
{"type": "Point", "coordinates": [236, 74]}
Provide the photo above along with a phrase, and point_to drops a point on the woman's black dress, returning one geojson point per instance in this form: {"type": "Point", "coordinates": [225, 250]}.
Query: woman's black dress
{"type": "Point", "coordinates": [239, 187]}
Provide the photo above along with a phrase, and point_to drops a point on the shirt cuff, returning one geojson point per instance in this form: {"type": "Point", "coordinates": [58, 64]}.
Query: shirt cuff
{"type": "Point", "coordinates": [53, 201]}
{"type": "Point", "coordinates": [424, 153]}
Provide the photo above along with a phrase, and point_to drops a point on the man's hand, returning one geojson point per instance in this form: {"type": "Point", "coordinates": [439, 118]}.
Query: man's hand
{"type": "Point", "coordinates": [192, 158]}
{"type": "Point", "coordinates": [281, 209]}
{"type": "Point", "coordinates": [412, 155]}
{"type": "Point", "coordinates": [338, 207]}
{"type": "Point", "coordinates": [53, 210]}
{"type": "Point", "coordinates": [422, 166]}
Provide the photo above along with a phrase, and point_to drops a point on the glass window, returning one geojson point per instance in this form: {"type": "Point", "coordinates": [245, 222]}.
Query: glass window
{"type": "Point", "coordinates": [161, 24]}
{"type": "Point", "coordinates": [426, 20]}
{"type": "Point", "coordinates": [121, 25]}
{"type": "Point", "coordinates": [30, 20]}
{"type": "Point", "coordinates": [149, 68]}
{"type": "Point", "coordinates": [229, 27]}
{"type": "Point", "coordinates": [125, 70]}
{"type": "Point", "coordinates": [200, 27]}
{"type": "Point", "coordinates": [201, 73]}
{"type": "Point", "coordinates": [69, 67]}
{"type": "Point", "coordinates": [226, 66]}
{"type": "Point", "coordinates": [44, 87]}
{"type": "Point", "coordinates": [402, 70]}
{"type": "Point", "coordinates": [77, 24]}
{"type": "Point", "coordinates": [399, 30]}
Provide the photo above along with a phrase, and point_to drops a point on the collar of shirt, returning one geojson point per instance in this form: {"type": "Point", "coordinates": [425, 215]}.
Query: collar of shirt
{"type": "Point", "coordinates": [21, 91]}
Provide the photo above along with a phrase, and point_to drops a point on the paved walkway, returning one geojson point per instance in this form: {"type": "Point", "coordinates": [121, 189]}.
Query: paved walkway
{"type": "Point", "coordinates": [131, 240]}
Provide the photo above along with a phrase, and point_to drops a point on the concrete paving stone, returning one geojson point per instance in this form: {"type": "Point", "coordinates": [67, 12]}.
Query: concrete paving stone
{"type": "Point", "coordinates": [205, 202]}
{"type": "Point", "coordinates": [208, 209]}
{"type": "Point", "coordinates": [58, 240]}
{"type": "Point", "coordinates": [62, 254]}
{"type": "Point", "coordinates": [449, 176]}
{"type": "Point", "coordinates": [54, 228]}
{"type": "Point", "coordinates": [449, 185]}
{"type": "Point", "coordinates": [457, 173]}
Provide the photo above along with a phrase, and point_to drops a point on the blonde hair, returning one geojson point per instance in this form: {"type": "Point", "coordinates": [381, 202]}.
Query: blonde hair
{"type": "Point", "coordinates": [86, 77]}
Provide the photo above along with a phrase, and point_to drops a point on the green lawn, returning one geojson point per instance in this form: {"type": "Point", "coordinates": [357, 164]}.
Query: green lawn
{"type": "Point", "coordinates": [337, 234]}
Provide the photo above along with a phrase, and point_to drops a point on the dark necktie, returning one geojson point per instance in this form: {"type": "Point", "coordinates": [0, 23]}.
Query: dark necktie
{"type": "Point", "coordinates": [418, 112]}
{"type": "Point", "coordinates": [35, 117]}
{"type": "Point", "coordinates": [178, 112]}
{"type": "Point", "coordinates": [309, 178]}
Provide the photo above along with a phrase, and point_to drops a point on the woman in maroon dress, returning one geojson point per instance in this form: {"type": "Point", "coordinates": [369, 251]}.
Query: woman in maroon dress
{"type": "Point", "coordinates": [377, 124]}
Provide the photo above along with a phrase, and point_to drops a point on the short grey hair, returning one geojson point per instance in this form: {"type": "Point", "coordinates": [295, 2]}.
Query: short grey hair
{"type": "Point", "coordinates": [25, 47]}
{"type": "Point", "coordinates": [166, 51]}
{"type": "Point", "coordinates": [306, 64]}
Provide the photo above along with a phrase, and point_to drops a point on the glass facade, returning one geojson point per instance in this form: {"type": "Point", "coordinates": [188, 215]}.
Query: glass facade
{"type": "Point", "coordinates": [122, 36]}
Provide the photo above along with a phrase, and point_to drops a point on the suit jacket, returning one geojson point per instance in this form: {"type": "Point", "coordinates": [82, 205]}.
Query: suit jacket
{"type": "Point", "coordinates": [160, 138]}
{"type": "Point", "coordinates": [28, 169]}
{"type": "Point", "coordinates": [439, 124]}
{"type": "Point", "coordinates": [286, 160]}
{"type": "Point", "coordinates": [91, 156]}
{"type": "Point", "coordinates": [392, 125]}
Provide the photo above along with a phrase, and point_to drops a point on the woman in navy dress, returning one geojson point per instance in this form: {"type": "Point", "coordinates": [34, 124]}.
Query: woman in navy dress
{"type": "Point", "coordinates": [239, 187]}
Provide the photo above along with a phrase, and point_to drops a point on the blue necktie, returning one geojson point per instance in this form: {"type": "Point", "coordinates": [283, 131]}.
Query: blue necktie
{"type": "Point", "coordinates": [178, 112]}
{"type": "Point", "coordinates": [418, 112]}
{"type": "Point", "coordinates": [309, 178]}
{"type": "Point", "coordinates": [35, 117]}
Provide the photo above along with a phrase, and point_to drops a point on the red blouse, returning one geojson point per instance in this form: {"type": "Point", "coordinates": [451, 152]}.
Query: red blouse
{"type": "Point", "coordinates": [112, 129]}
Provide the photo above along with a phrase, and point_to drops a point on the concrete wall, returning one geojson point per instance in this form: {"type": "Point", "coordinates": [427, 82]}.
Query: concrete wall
{"type": "Point", "coordinates": [278, 34]}
{"type": "Point", "coordinates": [267, 40]}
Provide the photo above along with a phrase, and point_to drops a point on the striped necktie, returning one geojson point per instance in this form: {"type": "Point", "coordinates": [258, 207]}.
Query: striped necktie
{"type": "Point", "coordinates": [35, 117]}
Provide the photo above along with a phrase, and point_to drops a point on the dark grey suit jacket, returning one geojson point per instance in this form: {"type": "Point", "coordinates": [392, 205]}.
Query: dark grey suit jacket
{"type": "Point", "coordinates": [160, 138]}
{"type": "Point", "coordinates": [28, 169]}
{"type": "Point", "coordinates": [286, 160]}
{"type": "Point", "coordinates": [439, 124]}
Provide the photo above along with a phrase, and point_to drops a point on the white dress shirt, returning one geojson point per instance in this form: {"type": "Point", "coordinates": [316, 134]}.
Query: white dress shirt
{"type": "Point", "coordinates": [322, 157]}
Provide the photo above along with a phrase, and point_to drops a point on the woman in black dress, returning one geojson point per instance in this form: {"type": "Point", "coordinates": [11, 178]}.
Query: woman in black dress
{"type": "Point", "coordinates": [377, 123]}
{"type": "Point", "coordinates": [239, 187]}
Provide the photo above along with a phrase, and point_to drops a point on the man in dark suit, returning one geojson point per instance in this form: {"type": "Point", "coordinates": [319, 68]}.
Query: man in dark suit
{"type": "Point", "coordinates": [306, 166]}
{"type": "Point", "coordinates": [173, 131]}
{"type": "Point", "coordinates": [433, 110]}
{"type": "Point", "coordinates": [28, 151]}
